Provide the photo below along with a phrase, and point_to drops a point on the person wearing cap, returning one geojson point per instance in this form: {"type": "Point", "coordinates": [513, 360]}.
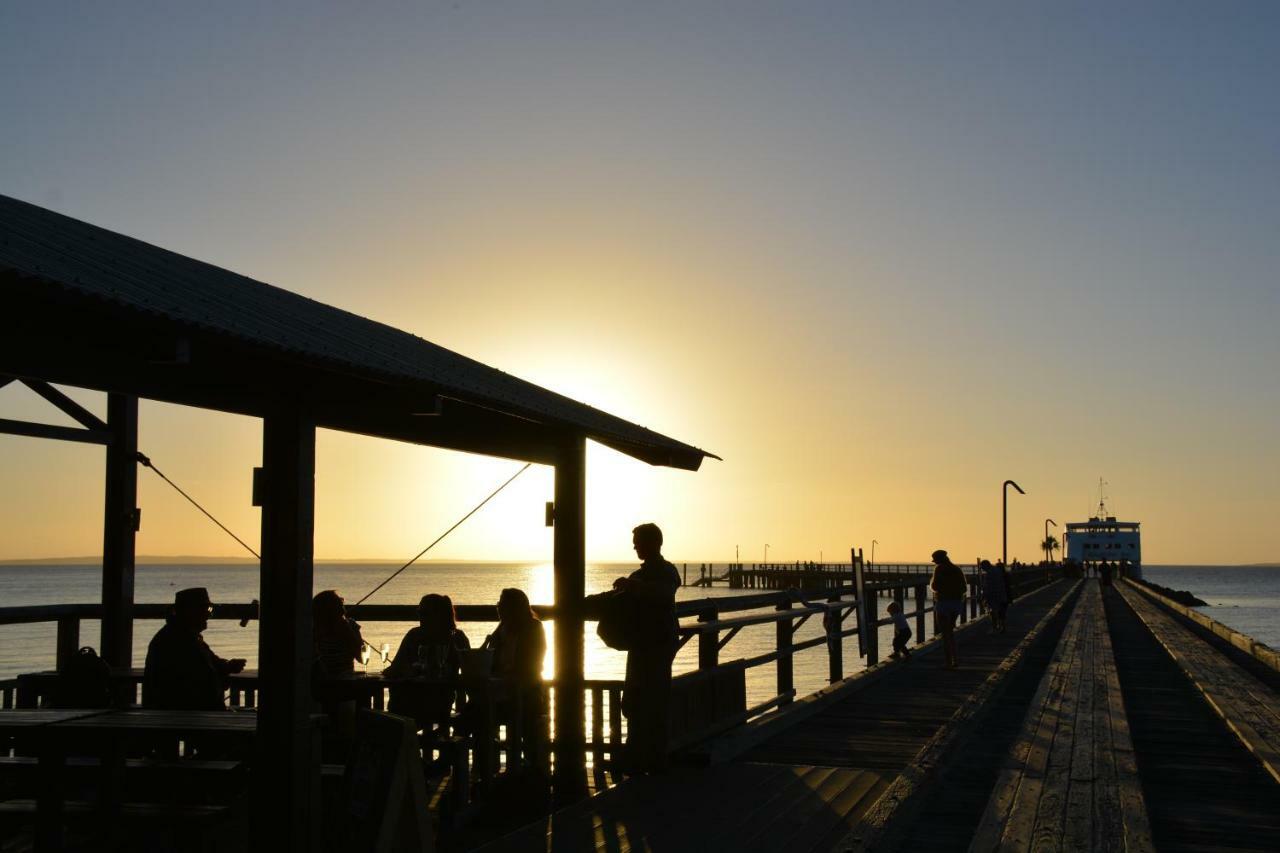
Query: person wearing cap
{"type": "Point", "coordinates": [182, 673]}
{"type": "Point", "coordinates": [948, 586]}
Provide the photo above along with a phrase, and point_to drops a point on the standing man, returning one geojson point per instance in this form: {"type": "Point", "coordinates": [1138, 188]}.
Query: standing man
{"type": "Point", "coordinates": [948, 586]}
{"type": "Point", "coordinates": [182, 672]}
{"type": "Point", "coordinates": [646, 695]}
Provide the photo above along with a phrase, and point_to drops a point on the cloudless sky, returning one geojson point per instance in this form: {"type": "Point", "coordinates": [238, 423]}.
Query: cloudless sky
{"type": "Point", "coordinates": [879, 257]}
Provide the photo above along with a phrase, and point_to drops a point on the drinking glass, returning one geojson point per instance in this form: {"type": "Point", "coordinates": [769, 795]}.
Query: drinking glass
{"type": "Point", "coordinates": [385, 652]}
{"type": "Point", "coordinates": [365, 653]}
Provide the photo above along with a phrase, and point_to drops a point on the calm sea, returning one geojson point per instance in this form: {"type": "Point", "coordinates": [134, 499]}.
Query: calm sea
{"type": "Point", "coordinates": [1247, 599]}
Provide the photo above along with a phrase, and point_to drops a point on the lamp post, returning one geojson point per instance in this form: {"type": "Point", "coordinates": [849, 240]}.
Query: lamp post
{"type": "Point", "coordinates": [1004, 520]}
{"type": "Point", "coordinates": [874, 543]}
{"type": "Point", "coordinates": [1047, 522]}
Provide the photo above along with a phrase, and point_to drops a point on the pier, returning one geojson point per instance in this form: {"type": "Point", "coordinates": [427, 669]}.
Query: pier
{"type": "Point", "coordinates": [1103, 719]}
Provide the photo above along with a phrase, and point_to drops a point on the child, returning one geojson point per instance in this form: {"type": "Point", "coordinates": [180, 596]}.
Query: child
{"type": "Point", "coordinates": [901, 631]}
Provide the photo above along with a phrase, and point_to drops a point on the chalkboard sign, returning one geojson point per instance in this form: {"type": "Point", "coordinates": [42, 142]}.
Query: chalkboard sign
{"type": "Point", "coordinates": [386, 793]}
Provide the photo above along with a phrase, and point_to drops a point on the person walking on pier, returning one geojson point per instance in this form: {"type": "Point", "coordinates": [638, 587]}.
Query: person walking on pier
{"type": "Point", "coordinates": [948, 586]}
{"type": "Point", "coordinates": [182, 673]}
{"type": "Point", "coordinates": [646, 694]}
{"type": "Point", "coordinates": [901, 631]}
{"type": "Point", "coordinates": [995, 592]}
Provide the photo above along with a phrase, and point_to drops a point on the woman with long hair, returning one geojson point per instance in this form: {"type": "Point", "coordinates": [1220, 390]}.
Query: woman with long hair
{"type": "Point", "coordinates": [519, 645]}
{"type": "Point", "coordinates": [337, 644]}
{"type": "Point", "coordinates": [431, 650]}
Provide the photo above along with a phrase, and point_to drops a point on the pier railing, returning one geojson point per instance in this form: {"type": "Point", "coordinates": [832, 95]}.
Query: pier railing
{"type": "Point", "coordinates": [711, 623]}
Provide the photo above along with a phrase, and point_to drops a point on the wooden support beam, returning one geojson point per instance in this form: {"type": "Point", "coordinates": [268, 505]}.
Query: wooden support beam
{"type": "Point", "coordinates": [61, 433]}
{"type": "Point", "coordinates": [285, 804]}
{"type": "Point", "coordinates": [119, 528]}
{"type": "Point", "coordinates": [570, 588]}
{"type": "Point", "coordinates": [74, 410]}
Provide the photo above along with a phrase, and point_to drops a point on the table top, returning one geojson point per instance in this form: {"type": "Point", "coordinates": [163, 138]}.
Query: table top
{"type": "Point", "coordinates": [12, 719]}
{"type": "Point", "coordinates": [174, 722]}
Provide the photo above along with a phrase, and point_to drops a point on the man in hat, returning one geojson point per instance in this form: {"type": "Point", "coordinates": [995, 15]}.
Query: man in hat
{"type": "Point", "coordinates": [182, 672]}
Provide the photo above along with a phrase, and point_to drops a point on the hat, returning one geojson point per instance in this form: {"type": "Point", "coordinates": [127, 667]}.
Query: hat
{"type": "Point", "coordinates": [197, 596]}
{"type": "Point", "coordinates": [939, 554]}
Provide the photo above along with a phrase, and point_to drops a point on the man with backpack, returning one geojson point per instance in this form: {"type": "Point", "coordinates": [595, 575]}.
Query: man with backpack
{"type": "Point", "coordinates": [651, 594]}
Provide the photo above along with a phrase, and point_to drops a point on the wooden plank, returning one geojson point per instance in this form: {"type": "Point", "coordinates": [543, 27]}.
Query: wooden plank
{"type": "Point", "coordinates": [71, 408]}
{"type": "Point", "coordinates": [1123, 821]}
{"type": "Point", "coordinates": [1235, 695]}
{"type": "Point", "coordinates": [1078, 827]}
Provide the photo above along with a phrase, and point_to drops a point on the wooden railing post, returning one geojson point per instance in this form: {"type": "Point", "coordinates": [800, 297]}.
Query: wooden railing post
{"type": "Point", "coordinates": [920, 600]}
{"type": "Point", "coordinates": [786, 669]}
{"type": "Point", "coordinates": [708, 642]}
{"type": "Point", "coordinates": [835, 644]}
{"type": "Point", "coordinates": [68, 640]}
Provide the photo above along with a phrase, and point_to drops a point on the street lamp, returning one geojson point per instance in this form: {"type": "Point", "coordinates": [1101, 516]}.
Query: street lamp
{"type": "Point", "coordinates": [1047, 522]}
{"type": "Point", "coordinates": [874, 543]}
{"type": "Point", "coordinates": [1004, 520]}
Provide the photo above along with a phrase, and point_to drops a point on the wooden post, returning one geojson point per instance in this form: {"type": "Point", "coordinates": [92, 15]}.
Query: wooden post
{"type": "Point", "coordinates": [786, 664]}
{"type": "Point", "coordinates": [708, 642]}
{"type": "Point", "coordinates": [284, 808]}
{"type": "Point", "coordinates": [570, 589]}
{"type": "Point", "coordinates": [68, 640]}
{"type": "Point", "coordinates": [119, 528]}
{"type": "Point", "coordinates": [860, 590]}
{"type": "Point", "coordinates": [920, 600]}
{"type": "Point", "coordinates": [835, 643]}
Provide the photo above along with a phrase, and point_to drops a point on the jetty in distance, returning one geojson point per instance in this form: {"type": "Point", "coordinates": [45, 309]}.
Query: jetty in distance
{"type": "Point", "coordinates": [1105, 716]}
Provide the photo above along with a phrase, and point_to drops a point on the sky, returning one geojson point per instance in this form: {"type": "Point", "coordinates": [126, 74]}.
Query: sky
{"type": "Point", "coordinates": [878, 257]}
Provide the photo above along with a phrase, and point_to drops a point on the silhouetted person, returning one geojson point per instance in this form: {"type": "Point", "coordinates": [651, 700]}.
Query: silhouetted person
{"type": "Point", "coordinates": [948, 587]}
{"type": "Point", "coordinates": [519, 645]}
{"type": "Point", "coordinates": [432, 649]}
{"type": "Point", "coordinates": [901, 630]}
{"type": "Point", "coordinates": [182, 672]}
{"type": "Point", "coordinates": [646, 694]}
{"type": "Point", "coordinates": [996, 593]}
{"type": "Point", "coordinates": [337, 643]}
{"type": "Point", "coordinates": [1104, 573]}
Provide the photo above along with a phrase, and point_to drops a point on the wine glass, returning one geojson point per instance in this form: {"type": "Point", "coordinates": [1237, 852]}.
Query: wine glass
{"type": "Point", "coordinates": [385, 652]}
{"type": "Point", "coordinates": [366, 652]}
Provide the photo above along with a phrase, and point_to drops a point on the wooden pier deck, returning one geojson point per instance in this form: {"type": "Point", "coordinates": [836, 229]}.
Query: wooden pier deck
{"type": "Point", "coordinates": [1100, 720]}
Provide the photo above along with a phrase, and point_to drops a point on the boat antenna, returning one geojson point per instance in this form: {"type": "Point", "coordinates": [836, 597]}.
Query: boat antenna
{"type": "Point", "coordinates": [439, 538]}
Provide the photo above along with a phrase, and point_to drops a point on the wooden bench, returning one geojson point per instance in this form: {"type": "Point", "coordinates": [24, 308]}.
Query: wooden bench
{"type": "Point", "coordinates": [1250, 708]}
{"type": "Point", "coordinates": [1070, 782]}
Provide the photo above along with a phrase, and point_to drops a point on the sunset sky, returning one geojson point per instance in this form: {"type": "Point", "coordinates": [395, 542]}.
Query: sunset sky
{"type": "Point", "coordinates": [879, 257]}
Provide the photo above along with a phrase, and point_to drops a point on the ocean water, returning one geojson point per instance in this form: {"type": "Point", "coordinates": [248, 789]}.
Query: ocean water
{"type": "Point", "coordinates": [1246, 598]}
{"type": "Point", "coordinates": [31, 647]}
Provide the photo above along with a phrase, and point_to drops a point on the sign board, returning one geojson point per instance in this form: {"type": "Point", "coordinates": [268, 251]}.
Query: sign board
{"type": "Point", "coordinates": [386, 792]}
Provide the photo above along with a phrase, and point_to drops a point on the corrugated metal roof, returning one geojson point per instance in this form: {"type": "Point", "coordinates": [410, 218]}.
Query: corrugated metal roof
{"type": "Point", "coordinates": [102, 264]}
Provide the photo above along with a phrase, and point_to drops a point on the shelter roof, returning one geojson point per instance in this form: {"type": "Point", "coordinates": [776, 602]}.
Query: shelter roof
{"type": "Point", "coordinates": [191, 332]}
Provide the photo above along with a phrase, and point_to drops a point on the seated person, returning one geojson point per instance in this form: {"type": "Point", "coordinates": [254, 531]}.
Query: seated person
{"type": "Point", "coordinates": [337, 647]}
{"type": "Point", "coordinates": [182, 672]}
{"type": "Point", "coordinates": [431, 650]}
{"type": "Point", "coordinates": [519, 645]}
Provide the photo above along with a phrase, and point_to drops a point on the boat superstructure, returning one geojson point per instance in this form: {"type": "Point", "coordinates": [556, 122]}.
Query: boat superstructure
{"type": "Point", "coordinates": [1105, 539]}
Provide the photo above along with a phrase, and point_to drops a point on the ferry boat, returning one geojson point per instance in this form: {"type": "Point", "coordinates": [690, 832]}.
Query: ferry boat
{"type": "Point", "coordinates": [1105, 539]}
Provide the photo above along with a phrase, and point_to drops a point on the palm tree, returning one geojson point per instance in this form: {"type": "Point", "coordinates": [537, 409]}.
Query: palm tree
{"type": "Point", "coordinates": [1049, 545]}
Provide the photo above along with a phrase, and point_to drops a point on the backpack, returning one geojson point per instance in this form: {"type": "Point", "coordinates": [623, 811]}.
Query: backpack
{"type": "Point", "coordinates": [84, 682]}
{"type": "Point", "coordinates": [620, 621]}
